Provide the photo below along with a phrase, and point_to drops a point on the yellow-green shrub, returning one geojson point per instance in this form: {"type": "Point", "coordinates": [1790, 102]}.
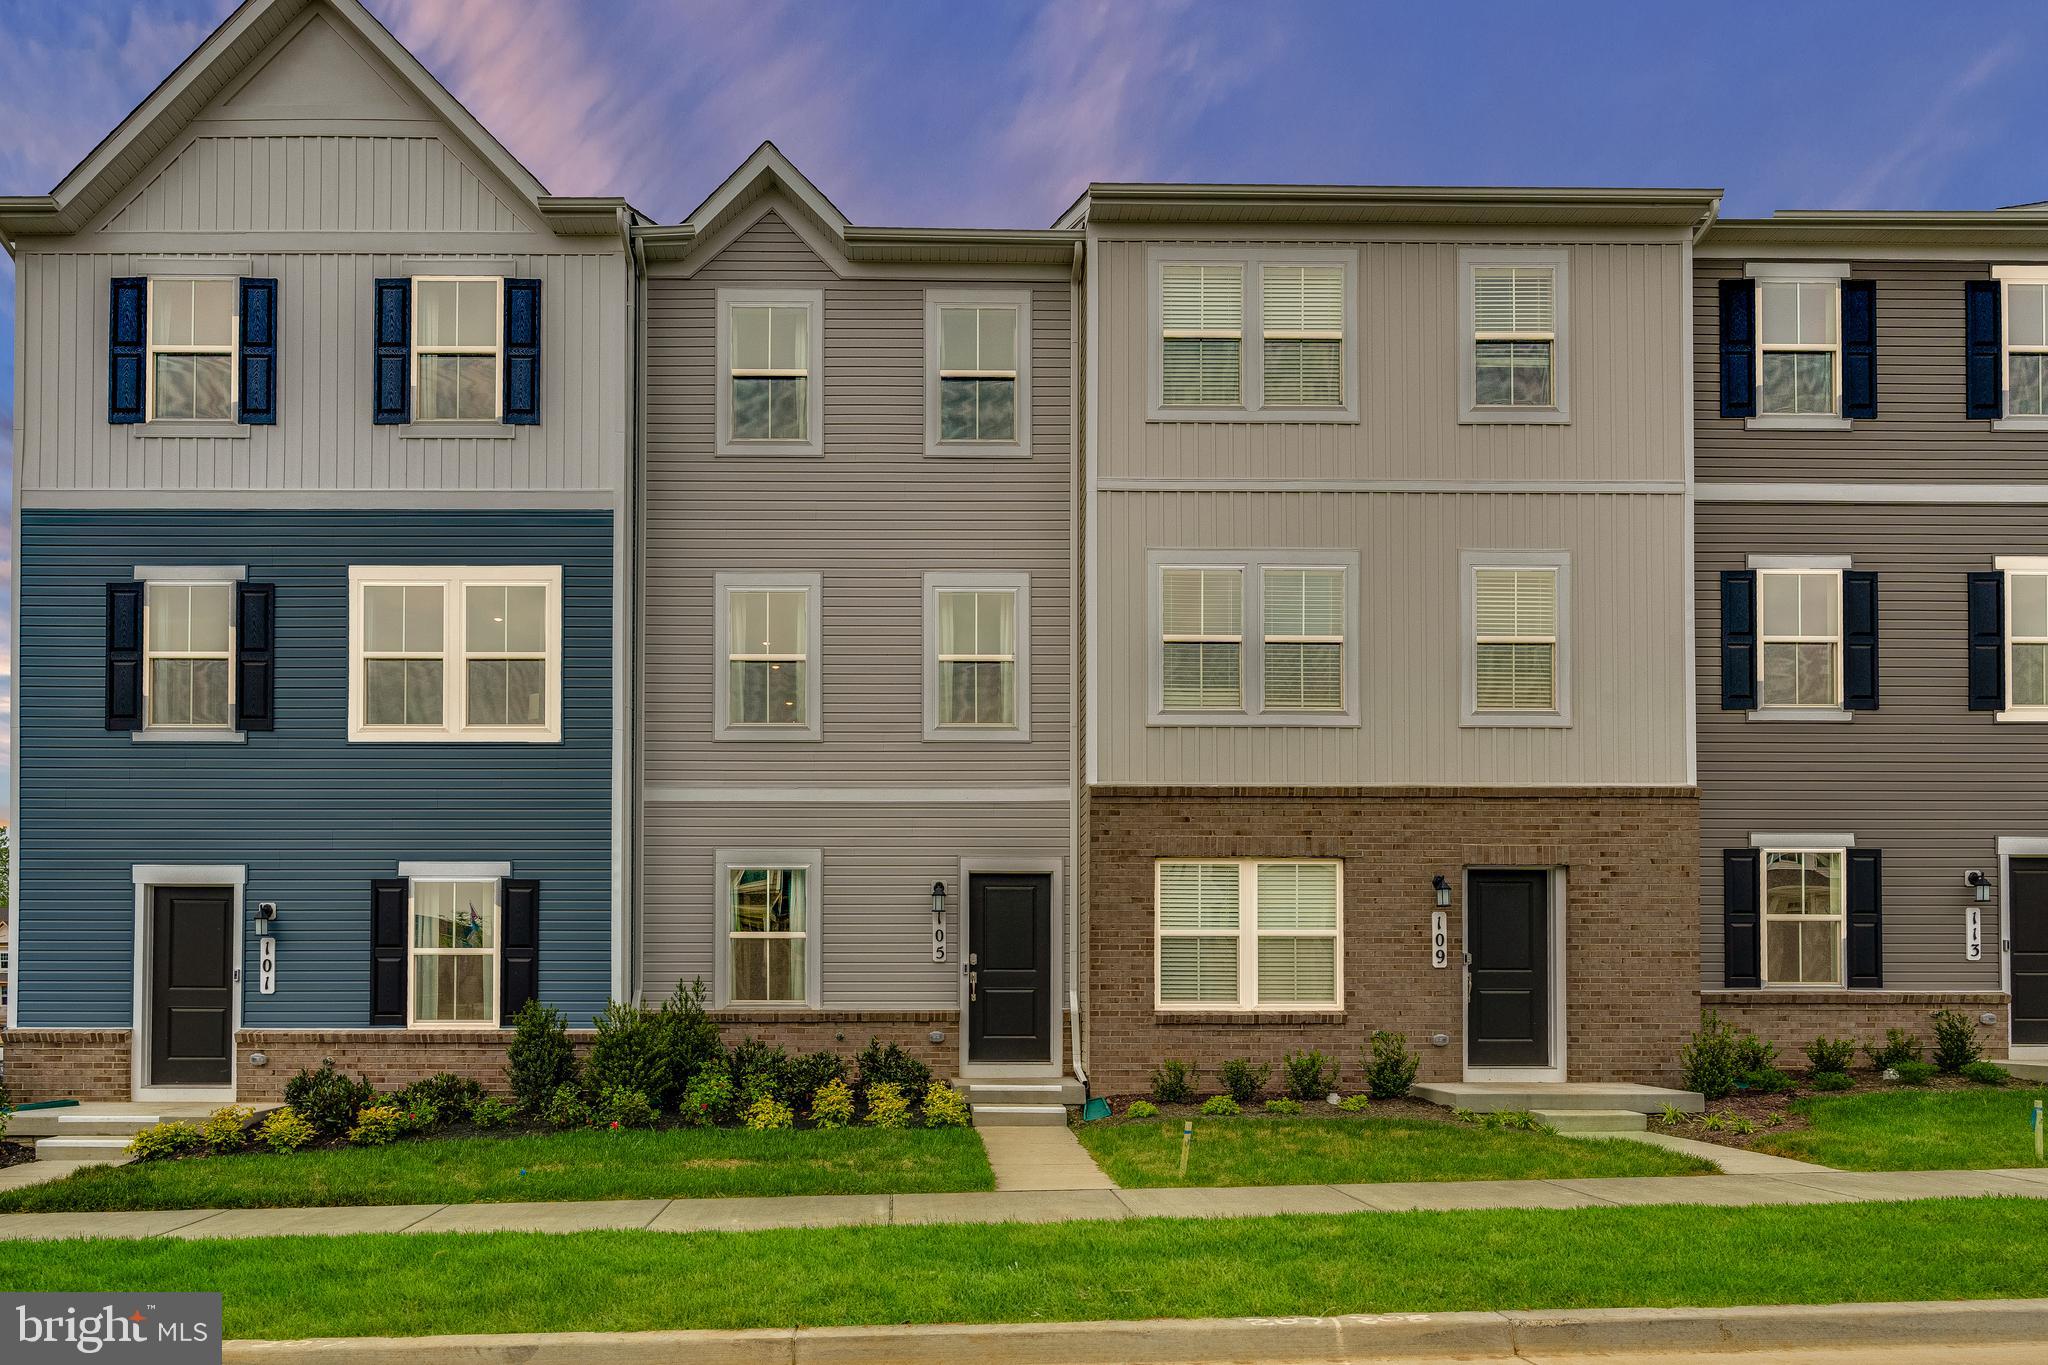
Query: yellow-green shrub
{"type": "Point", "coordinates": [162, 1141]}
{"type": "Point", "coordinates": [227, 1128]}
{"type": "Point", "coordinates": [944, 1107]}
{"type": "Point", "coordinates": [377, 1125]}
{"type": "Point", "coordinates": [832, 1106]}
{"type": "Point", "coordinates": [767, 1112]}
{"type": "Point", "coordinates": [285, 1130]}
{"type": "Point", "coordinates": [888, 1107]}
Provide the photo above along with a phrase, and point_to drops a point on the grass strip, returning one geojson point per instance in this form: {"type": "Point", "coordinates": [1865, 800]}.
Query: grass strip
{"type": "Point", "coordinates": [1914, 1130]}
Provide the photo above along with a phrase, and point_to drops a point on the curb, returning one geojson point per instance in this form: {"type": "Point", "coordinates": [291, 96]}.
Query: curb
{"type": "Point", "coordinates": [1162, 1342]}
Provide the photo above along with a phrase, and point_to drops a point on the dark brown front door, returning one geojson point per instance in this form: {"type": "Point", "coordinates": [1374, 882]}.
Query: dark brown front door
{"type": "Point", "coordinates": [1507, 934]}
{"type": "Point", "coordinates": [191, 985]}
{"type": "Point", "coordinates": [1009, 964]}
{"type": "Point", "coordinates": [2027, 901]}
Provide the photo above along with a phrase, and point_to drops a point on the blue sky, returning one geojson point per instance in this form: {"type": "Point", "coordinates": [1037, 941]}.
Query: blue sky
{"type": "Point", "coordinates": [937, 111]}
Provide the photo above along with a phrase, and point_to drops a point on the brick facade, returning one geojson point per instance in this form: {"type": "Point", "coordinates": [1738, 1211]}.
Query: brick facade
{"type": "Point", "coordinates": [1631, 928]}
{"type": "Point", "coordinates": [67, 1064]}
{"type": "Point", "coordinates": [1792, 1019]}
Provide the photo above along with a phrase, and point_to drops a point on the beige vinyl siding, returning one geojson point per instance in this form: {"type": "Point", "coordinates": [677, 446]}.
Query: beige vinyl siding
{"type": "Point", "coordinates": [1930, 782]}
{"type": "Point", "coordinates": [1629, 669]}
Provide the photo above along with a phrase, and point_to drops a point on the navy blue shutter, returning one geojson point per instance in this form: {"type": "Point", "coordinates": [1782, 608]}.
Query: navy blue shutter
{"type": "Point", "coordinates": [255, 656]}
{"type": "Point", "coordinates": [1738, 639]}
{"type": "Point", "coordinates": [387, 952]}
{"type": "Point", "coordinates": [124, 656]}
{"type": "Point", "coordinates": [522, 353]}
{"type": "Point", "coordinates": [1983, 344]}
{"type": "Point", "coordinates": [1741, 924]}
{"type": "Point", "coordinates": [1987, 641]}
{"type": "Point", "coordinates": [519, 950]}
{"type": "Point", "coordinates": [127, 349]}
{"type": "Point", "coordinates": [1866, 918]}
{"type": "Point", "coordinates": [391, 341]}
{"type": "Point", "coordinates": [1859, 348]}
{"type": "Point", "coordinates": [258, 378]}
{"type": "Point", "coordinates": [1738, 348]}
{"type": "Point", "coordinates": [1859, 641]}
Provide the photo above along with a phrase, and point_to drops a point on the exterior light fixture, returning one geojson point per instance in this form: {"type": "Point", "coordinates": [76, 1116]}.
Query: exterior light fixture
{"type": "Point", "coordinates": [938, 898]}
{"type": "Point", "coordinates": [1980, 884]}
{"type": "Point", "coordinates": [1443, 891]}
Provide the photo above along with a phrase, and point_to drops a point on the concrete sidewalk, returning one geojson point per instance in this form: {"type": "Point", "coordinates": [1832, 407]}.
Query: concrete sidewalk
{"type": "Point", "coordinates": [1034, 1206]}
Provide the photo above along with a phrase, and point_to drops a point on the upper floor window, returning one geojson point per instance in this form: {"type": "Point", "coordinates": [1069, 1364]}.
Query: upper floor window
{"type": "Point", "coordinates": [1202, 335]}
{"type": "Point", "coordinates": [2022, 334]}
{"type": "Point", "coordinates": [1295, 666]}
{"type": "Point", "coordinates": [1302, 367]}
{"type": "Point", "coordinates": [1202, 638]}
{"type": "Point", "coordinates": [977, 640]}
{"type": "Point", "coordinates": [1513, 306]}
{"type": "Point", "coordinates": [770, 362]}
{"type": "Point", "coordinates": [767, 682]}
{"type": "Point", "coordinates": [1304, 639]}
{"type": "Point", "coordinates": [1799, 348]}
{"type": "Point", "coordinates": [194, 326]}
{"type": "Point", "coordinates": [1800, 636]}
{"type": "Point", "coordinates": [188, 674]}
{"type": "Point", "coordinates": [978, 370]}
{"type": "Point", "coordinates": [443, 653]}
{"type": "Point", "coordinates": [1302, 327]}
{"type": "Point", "coordinates": [2026, 638]}
{"type": "Point", "coordinates": [1249, 935]}
{"type": "Point", "coordinates": [1517, 637]}
{"type": "Point", "coordinates": [458, 341]}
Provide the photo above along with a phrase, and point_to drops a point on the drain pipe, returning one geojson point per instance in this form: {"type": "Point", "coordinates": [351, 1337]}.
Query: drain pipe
{"type": "Point", "coordinates": [1076, 433]}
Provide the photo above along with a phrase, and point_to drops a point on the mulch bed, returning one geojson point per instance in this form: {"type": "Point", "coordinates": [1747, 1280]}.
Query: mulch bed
{"type": "Point", "coordinates": [1381, 1109]}
{"type": "Point", "coordinates": [15, 1153]}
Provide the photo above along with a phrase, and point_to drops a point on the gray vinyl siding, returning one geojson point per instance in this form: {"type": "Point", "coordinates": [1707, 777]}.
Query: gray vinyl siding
{"type": "Point", "coordinates": [1919, 435]}
{"type": "Point", "coordinates": [1931, 783]}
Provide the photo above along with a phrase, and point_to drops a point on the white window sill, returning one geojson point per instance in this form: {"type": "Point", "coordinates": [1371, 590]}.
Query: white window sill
{"type": "Point", "coordinates": [476, 1026]}
{"type": "Point", "coordinates": [449, 431]}
{"type": "Point", "coordinates": [797, 734]}
{"type": "Point", "coordinates": [1823, 715]}
{"type": "Point", "coordinates": [232, 431]}
{"type": "Point", "coordinates": [1514, 417]}
{"type": "Point", "coordinates": [2028, 715]}
{"type": "Point", "coordinates": [769, 1006]}
{"type": "Point", "coordinates": [1238, 719]}
{"type": "Point", "coordinates": [453, 737]}
{"type": "Point", "coordinates": [187, 737]}
{"type": "Point", "coordinates": [774, 450]}
{"type": "Point", "coordinates": [2020, 424]}
{"type": "Point", "coordinates": [1533, 720]}
{"type": "Point", "coordinates": [1791, 423]}
{"type": "Point", "coordinates": [991, 735]}
{"type": "Point", "coordinates": [1297, 416]}
{"type": "Point", "coordinates": [973, 450]}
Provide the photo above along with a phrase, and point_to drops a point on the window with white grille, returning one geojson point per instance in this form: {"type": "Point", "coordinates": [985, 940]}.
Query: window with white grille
{"type": "Point", "coordinates": [1800, 615]}
{"type": "Point", "coordinates": [1249, 935]}
{"type": "Point", "coordinates": [1302, 325]}
{"type": "Point", "coordinates": [1515, 364]}
{"type": "Point", "coordinates": [1304, 639]}
{"type": "Point", "coordinates": [1202, 638]}
{"type": "Point", "coordinates": [1799, 348]}
{"type": "Point", "coordinates": [1254, 334]}
{"type": "Point", "coordinates": [1202, 336]}
{"type": "Point", "coordinates": [1517, 637]}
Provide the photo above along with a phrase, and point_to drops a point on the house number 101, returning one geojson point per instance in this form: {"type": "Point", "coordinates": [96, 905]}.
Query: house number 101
{"type": "Point", "coordinates": [1439, 939]}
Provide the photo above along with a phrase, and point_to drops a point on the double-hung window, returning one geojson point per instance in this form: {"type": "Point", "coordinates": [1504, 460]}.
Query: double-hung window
{"type": "Point", "coordinates": [1248, 935]}
{"type": "Point", "coordinates": [770, 363]}
{"type": "Point", "coordinates": [2026, 341]}
{"type": "Point", "coordinates": [1201, 312]}
{"type": "Point", "coordinates": [458, 345]}
{"type": "Point", "coordinates": [1800, 620]}
{"type": "Point", "coordinates": [768, 918]}
{"type": "Point", "coordinates": [1304, 638]}
{"type": "Point", "coordinates": [978, 372]}
{"type": "Point", "coordinates": [453, 953]}
{"type": "Point", "coordinates": [1515, 360]}
{"type": "Point", "coordinates": [188, 674]}
{"type": "Point", "coordinates": [1202, 638]}
{"type": "Point", "coordinates": [1805, 898]}
{"type": "Point", "coordinates": [767, 686]}
{"type": "Point", "coordinates": [455, 653]}
{"type": "Point", "coordinates": [977, 649]}
{"type": "Point", "coordinates": [1302, 321]}
{"type": "Point", "coordinates": [1798, 340]}
{"type": "Point", "coordinates": [1517, 637]}
{"type": "Point", "coordinates": [1295, 663]}
{"type": "Point", "coordinates": [2026, 638]}
{"type": "Point", "coordinates": [1297, 365]}
{"type": "Point", "coordinates": [194, 327]}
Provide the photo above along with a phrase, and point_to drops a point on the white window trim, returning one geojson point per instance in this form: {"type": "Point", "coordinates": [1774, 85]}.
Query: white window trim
{"type": "Point", "coordinates": [1469, 563]}
{"type": "Point", "coordinates": [725, 860]}
{"type": "Point", "coordinates": [145, 877]}
{"type": "Point", "coordinates": [1801, 566]}
{"type": "Point", "coordinates": [1252, 563]}
{"type": "Point", "coordinates": [723, 586]}
{"type": "Point", "coordinates": [1247, 935]}
{"type": "Point", "coordinates": [1796, 272]}
{"type": "Point", "coordinates": [1020, 301]}
{"type": "Point", "coordinates": [2008, 565]}
{"type": "Point", "coordinates": [812, 300]}
{"type": "Point", "coordinates": [196, 573]}
{"type": "Point", "coordinates": [495, 974]}
{"type": "Point", "coordinates": [496, 349]}
{"type": "Point", "coordinates": [2008, 275]}
{"type": "Point", "coordinates": [233, 351]}
{"type": "Point", "coordinates": [1017, 584]}
{"type": "Point", "coordinates": [1471, 260]}
{"type": "Point", "coordinates": [1252, 366]}
{"type": "Point", "coordinates": [453, 580]}
{"type": "Point", "coordinates": [1765, 918]}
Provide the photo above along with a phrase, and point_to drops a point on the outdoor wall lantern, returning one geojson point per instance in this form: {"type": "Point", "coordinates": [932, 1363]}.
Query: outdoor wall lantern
{"type": "Point", "coordinates": [938, 898]}
{"type": "Point", "coordinates": [1443, 891]}
{"type": "Point", "coordinates": [1979, 883]}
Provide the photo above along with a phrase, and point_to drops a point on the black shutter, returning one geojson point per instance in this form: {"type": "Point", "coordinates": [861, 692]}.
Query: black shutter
{"type": "Point", "coordinates": [1738, 348]}
{"type": "Point", "coordinates": [522, 353]}
{"type": "Point", "coordinates": [1859, 348]}
{"type": "Point", "coordinates": [257, 381]}
{"type": "Point", "coordinates": [255, 656]}
{"type": "Point", "coordinates": [1987, 641]}
{"type": "Point", "coordinates": [1741, 924]}
{"type": "Point", "coordinates": [519, 947]}
{"type": "Point", "coordinates": [127, 349]}
{"type": "Point", "coordinates": [1859, 640]}
{"type": "Point", "coordinates": [124, 656]}
{"type": "Point", "coordinates": [1738, 639]}
{"type": "Point", "coordinates": [387, 952]}
{"type": "Point", "coordinates": [391, 339]}
{"type": "Point", "coordinates": [1866, 919]}
{"type": "Point", "coordinates": [1983, 343]}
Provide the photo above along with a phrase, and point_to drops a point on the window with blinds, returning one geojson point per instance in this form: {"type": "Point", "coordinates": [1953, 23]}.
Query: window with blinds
{"type": "Point", "coordinates": [1249, 935]}
{"type": "Point", "coordinates": [1800, 612]}
{"type": "Point", "coordinates": [1515, 619]}
{"type": "Point", "coordinates": [1514, 335]}
{"type": "Point", "coordinates": [1201, 312]}
{"type": "Point", "coordinates": [1301, 311]}
{"type": "Point", "coordinates": [1304, 639]}
{"type": "Point", "coordinates": [2026, 595]}
{"type": "Point", "coordinates": [1202, 639]}
{"type": "Point", "coordinates": [1799, 345]}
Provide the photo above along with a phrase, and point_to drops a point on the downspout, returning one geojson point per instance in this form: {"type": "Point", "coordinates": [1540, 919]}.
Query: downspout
{"type": "Point", "coordinates": [1707, 220]}
{"type": "Point", "coordinates": [1078, 497]}
{"type": "Point", "coordinates": [630, 927]}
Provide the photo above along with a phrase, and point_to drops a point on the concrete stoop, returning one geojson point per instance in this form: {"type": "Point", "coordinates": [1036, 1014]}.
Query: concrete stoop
{"type": "Point", "coordinates": [1486, 1097]}
{"type": "Point", "coordinates": [2027, 1071]}
{"type": "Point", "coordinates": [100, 1132]}
{"type": "Point", "coordinates": [1017, 1103]}
{"type": "Point", "coordinates": [1593, 1120]}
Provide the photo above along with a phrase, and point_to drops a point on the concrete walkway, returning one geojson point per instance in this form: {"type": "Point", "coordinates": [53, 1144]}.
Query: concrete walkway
{"type": "Point", "coordinates": [1035, 1206]}
{"type": "Point", "coordinates": [1731, 1160]}
{"type": "Point", "coordinates": [1041, 1159]}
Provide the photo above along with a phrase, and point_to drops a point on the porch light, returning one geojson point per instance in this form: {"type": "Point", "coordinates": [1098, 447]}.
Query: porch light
{"type": "Point", "coordinates": [1443, 891]}
{"type": "Point", "coordinates": [938, 898]}
{"type": "Point", "coordinates": [1980, 884]}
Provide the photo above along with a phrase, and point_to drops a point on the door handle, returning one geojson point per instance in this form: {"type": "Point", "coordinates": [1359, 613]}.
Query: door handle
{"type": "Point", "coordinates": [973, 986]}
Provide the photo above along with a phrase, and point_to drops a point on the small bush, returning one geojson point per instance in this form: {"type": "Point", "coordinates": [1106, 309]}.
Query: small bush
{"type": "Point", "coordinates": [944, 1107]}
{"type": "Point", "coordinates": [1142, 1109]}
{"type": "Point", "coordinates": [807, 1075]}
{"type": "Point", "coordinates": [1283, 1106]}
{"type": "Point", "coordinates": [566, 1108]}
{"type": "Point", "coordinates": [1766, 1081]}
{"type": "Point", "coordinates": [767, 1113]}
{"type": "Point", "coordinates": [1672, 1116]}
{"type": "Point", "coordinates": [454, 1098]}
{"type": "Point", "coordinates": [1174, 1082]}
{"type": "Point", "coordinates": [163, 1141]}
{"type": "Point", "coordinates": [1955, 1042]}
{"type": "Point", "coordinates": [1355, 1104]}
{"type": "Point", "coordinates": [1708, 1061]}
{"type": "Point", "coordinates": [377, 1125]}
{"type": "Point", "coordinates": [1242, 1081]}
{"type": "Point", "coordinates": [891, 1065]}
{"type": "Point", "coordinates": [285, 1130]}
{"type": "Point", "coordinates": [1509, 1121]}
{"type": "Point", "coordinates": [227, 1129]}
{"type": "Point", "coordinates": [623, 1108]}
{"type": "Point", "coordinates": [491, 1112]}
{"type": "Point", "coordinates": [327, 1099]}
{"type": "Point", "coordinates": [1898, 1046]}
{"type": "Point", "coordinates": [710, 1098]}
{"type": "Point", "coordinates": [759, 1069]}
{"type": "Point", "coordinates": [1309, 1076]}
{"type": "Point", "coordinates": [1753, 1053]}
{"type": "Point", "coordinates": [627, 1054]}
{"type": "Point", "coordinates": [888, 1107]}
{"type": "Point", "coordinates": [1984, 1073]}
{"type": "Point", "coordinates": [1741, 1127]}
{"type": "Point", "coordinates": [540, 1060]}
{"type": "Point", "coordinates": [1829, 1080]}
{"type": "Point", "coordinates": [1389, 1066]}
{"type": "Point", "coordinates": [688, 1039]}
{"type": "Point", "coordinates": [418, 1117]}
{"type": "Point", "coordinates": [1915, 1073]}
{"type": "Point", "coordinates": [832, 1106]}
{"type": "Point", "coordinates": [1220, 1107]}
{"type": "Point", "coordinates": [1831, 1054]}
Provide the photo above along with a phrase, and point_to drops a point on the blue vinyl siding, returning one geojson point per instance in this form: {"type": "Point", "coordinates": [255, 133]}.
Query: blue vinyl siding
{"type": "Point", "coordinates": [313, 817]}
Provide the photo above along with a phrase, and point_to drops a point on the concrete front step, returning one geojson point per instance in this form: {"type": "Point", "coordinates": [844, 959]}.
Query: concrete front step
{"type": "Point", "coordinates": [1065, 1091]}
{"type": "Point", "coordinates": [1486, 1097]}
{"type": "Point", "coordinates": [2027, 1071]}
{"type": "Point", "coordinates": [71, 1123]}
{"type": "Point", "coordinates": [1019, 1115]}
{"type": "Point", "coordinates": [1593, 1120]}
{"type": "Point", "coordinates": [79, 1148]}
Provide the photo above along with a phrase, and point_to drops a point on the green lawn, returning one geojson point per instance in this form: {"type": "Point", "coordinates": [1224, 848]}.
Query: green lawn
{"type": "Point", "coordinates": [674, 1163]}
{"type": "Point", "coordinates": [1913, 1130]}
{"type": "Point", "coordinates": [1285, 1266]}
{"type": "Point", "coordinates": [1303, 1151]}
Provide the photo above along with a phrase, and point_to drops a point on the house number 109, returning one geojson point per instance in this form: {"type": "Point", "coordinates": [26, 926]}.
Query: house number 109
{"type": "Point", "coordinates": [1439, 939]}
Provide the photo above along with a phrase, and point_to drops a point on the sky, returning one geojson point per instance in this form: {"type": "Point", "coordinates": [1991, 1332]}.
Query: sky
{"type": "Point", "coordinates": [998, 112]}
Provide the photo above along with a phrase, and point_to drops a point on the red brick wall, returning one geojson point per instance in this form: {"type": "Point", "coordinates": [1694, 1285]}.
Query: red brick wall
{"type": "Point", "coordinates": [1631, 911]}
{"type": "Point", "coordinates": [1792, 1019]}
{"type": "Point", "coordinates": [67, 1064]}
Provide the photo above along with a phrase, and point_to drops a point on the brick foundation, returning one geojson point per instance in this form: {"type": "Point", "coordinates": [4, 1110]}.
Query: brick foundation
{"type": "Point", "coordinates": [1631, 919]}
{"type": "Point", "coordinates": [67, 1064]}
{"type": "Point", "coordinates": [1792, 1019]}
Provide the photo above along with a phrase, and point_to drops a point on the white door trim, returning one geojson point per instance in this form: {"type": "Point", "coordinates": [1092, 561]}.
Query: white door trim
{"type": "Point", "coordinates": [971, 866]}
{"type": "Point", "coordinates": [1555, 1071]}
{"type": "Point", "coordinates": [2010, 847]}
{"type": "Point", "coordinates": [147, 877]}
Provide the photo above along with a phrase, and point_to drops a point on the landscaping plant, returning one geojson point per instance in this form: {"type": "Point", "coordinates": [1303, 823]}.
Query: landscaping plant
{"type": "Point", "coordinates": [832, 1106]}
{"type": "Point", "coordinates": [540, 1060]}
{"type": "Point", "coordinates": [285, 1130]}
{"type": "Point", "coordinates": [689, 1038]}
{"type": "Point", "coordinates": [1174, 1082]}
{"type": "Point", "coordinates": [805, 1076]}
{"type": "Point", "coordinates": [1308, 1075]}
{"type": "Point", "coordinates": [227, 1129]}
{"type": "Point", "coordinates": [1984, 1073]}
{"type": "Point", "coordinates": [1283, 1106]}
{"type": "Point", "coordinates": [1915, 1073]}
{"type": "Point", "coordinates": [944, 1107]}
{"type": "Point", "coordinates": [1709, 1061]}
{"type": "Point", "coordinates": [376, 1125]}
{"type": "Point", "coordinates": [759, 1069]}
{"type": "Point", "coordinates": [1955, 1042]}
{"type": "Point", "coordinates": [891, 1065]}
{"type": "Point", "coordinates": [1355, 1104]}
{"type": "Point", "coordinates": [1898, 1046]}
{"type": "Point", "coordinates": [888, 1106]}
{"type": "Point", "coordinates": [1831, 1054]}
{"type": "Point", "coordinates": [566, 1109]}
{"type": "Point", "coordinates": [1241, 1080]}
{"type": "Point", "coordinates": [627, 1055]}
{"type": "Point", "coordinates": [1766, 1080]}
{"type": "Point", "coordinates": [454, 1098]}
{"type": "Point", "coordinates": [328, 1099]}
{"type": "Point", "coordinates": [1144, 1109]}
{"type": "Point", "coordinates": [622, 1108]}
{"type": "Point", "coordinates": [1218, 1107]}
{"type": "Point", "coordinates": [162, 1141]}
{"type": "Point", "coordinates": [491, 1112]}
{"type": "Point", "coordinates": [767, 1113]}
{"type": "Point", "coordinates": [1389, 1066]}
{"type": "Point", "coordinates": [710, 1098]}
{"type": "Point", "coordinates": [1829, 1080]}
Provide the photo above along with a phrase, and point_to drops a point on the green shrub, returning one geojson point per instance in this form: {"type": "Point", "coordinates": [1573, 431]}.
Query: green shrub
{"type": "Point", "coordinates": [1898, 1046]}
{"type": "Point", "coordinates": [891, 1065]}
{"type": "Point", "coordinates": [710, 1098]}
{"type": "Point", "coordinates": [1984, 1073]}
{"type": "Point", "coordinates": [419, 1117]}
{"type": "Point", "coordinates": [1242, 1081]}
{"type": "Point", "coordinates": [163, 1141]}
{"type": "Point", "coordinates": [1355, 1104]}
{"type": "Point", "coordinates": [491, 1112]}
{"type": "Point", "coordinates": [1753, 1053]}
{"type": "Point", "coordinates": [227, 1129]}
{"type": "Point", "coordinates": [689, 1039]}
{"type": "Point", "coordinates": [888, 1107]}
{"type": "Point", "coordinates": [285, 1130]}
{"type": "Point", "coordinates": [1831, 1054]}
{"type": "Point", "coordinates": [1283, 1106]}
{"type": "Point", "coordinates": [758, 1069]}
{"type": "Point", "coordinates": [454, 1098]}
{"type": "Point", "coordinates": [1174, 1082]}
{"type": "Point", "coordinates": [767, 1113]}
{"type": "Point", "coordinates": [1142, 1109]}
{"type": "Point", "coordinates": [1915, 1073]}
{"type": "Point", "coordinates": [1741, 1127]}
{"type": "Point", "coordinates": [1308, 1076]}
{"type": "Point", "coordinates": [566, 1108]}
{"type": "Point", "coordinates": [622, 1108]}
{"type": "Point", "coordinates": [832, 1106]}
{"type": "Point", "coordinates": [1708, 1061]}
{"type": "Point", "coordinates": [540, 1060]}
{"type": "Point", "coordinates": [808, 1074]}
{"type": "Point", "coordinates": [1510, 1121]}
{"type": "Point", "coordinates": [1766, 1081]}
{"type": "Point", "coordinates": [944, 1107]}
{"type": "Point", "coordinates": [1955, 1042]}
{"type": "Point", "coordinates": [1389, 1066]}
{"type": "Point", "coordinates": [627, 1054]}
{"type": "Point", "coordinates": [1219, 1107]}
{"type": "Point", "coordinates": [377, 1125]}
{"type": "Point", "coordinates": [327, 1099]}
{"type": "Point", "coordinates": [1828, 1080]}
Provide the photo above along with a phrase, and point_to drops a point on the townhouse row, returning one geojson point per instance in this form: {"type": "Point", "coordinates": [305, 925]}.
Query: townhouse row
{"type": "Point", "coordinates": [1232, 619]}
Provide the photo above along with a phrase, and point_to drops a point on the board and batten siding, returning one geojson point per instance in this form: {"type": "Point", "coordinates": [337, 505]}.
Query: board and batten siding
{"type": "Point", "coordinates": [313, 817]}
{"type": "Point", "coordinates": [1930, 782]}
